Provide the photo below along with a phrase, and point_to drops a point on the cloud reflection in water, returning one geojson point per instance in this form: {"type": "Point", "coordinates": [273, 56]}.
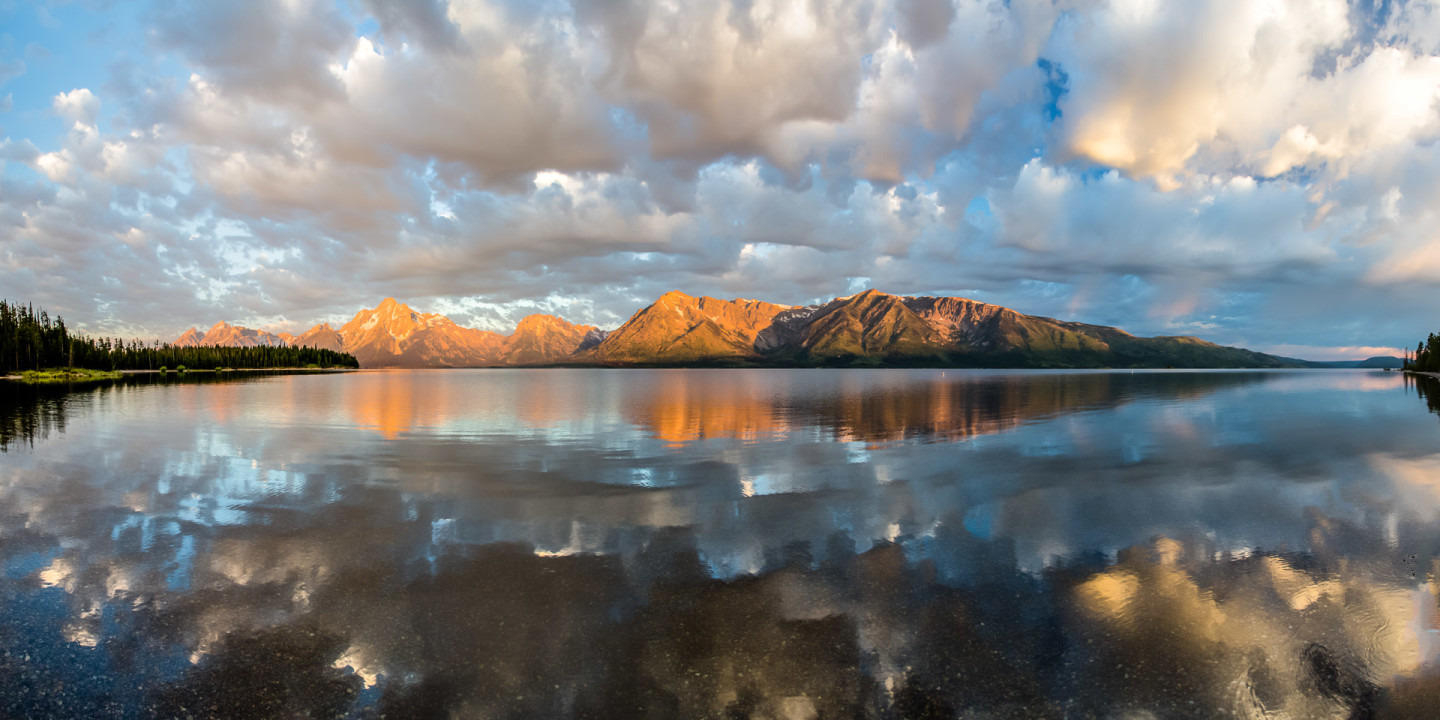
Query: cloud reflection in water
{"type": "Point", "coordinates": [910, 545]}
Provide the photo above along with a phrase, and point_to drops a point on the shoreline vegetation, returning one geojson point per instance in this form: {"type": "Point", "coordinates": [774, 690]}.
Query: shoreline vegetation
{"type": "Point", "coordinates": [55, 375]}
{"type": "Point", "coordinates": [74, 375]}
{"type": "Point", "coordinates": [1426, 360]}
{"type": "Point", "coordinates": [31, 341]}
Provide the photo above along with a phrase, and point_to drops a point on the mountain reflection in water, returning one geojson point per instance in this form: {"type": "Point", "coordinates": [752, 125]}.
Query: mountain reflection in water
{"type": "Point", "coordinates": [677, 544]}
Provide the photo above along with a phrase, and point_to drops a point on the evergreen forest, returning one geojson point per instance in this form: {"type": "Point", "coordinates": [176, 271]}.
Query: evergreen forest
{"type": "Point", "coordinates": [33, 340]}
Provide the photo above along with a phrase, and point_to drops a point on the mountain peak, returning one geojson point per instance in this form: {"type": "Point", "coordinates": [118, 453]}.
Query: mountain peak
{"type": "Point", "coordinates": [541, 338]}
{"type": "Point", "coordinates": [393, 308]}
{"type": "Point", "coordinates": [868, 328]}
{"type": "Point", "coordinates": [223, 333]}
{"type": "Point", "coordinates": [536, 320]}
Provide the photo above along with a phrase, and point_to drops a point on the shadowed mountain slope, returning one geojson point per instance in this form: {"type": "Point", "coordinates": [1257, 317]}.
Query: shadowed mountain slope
{"type": "Point", "coordinates": [869, 329]}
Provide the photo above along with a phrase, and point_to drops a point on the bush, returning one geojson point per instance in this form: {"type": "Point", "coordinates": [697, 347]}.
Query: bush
{"type": "Point", "coordinates": [164, 369]}
{"type": "Point", "coordinates": [180, 368]}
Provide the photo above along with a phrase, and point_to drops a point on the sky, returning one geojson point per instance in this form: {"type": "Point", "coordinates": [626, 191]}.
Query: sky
{"type": "Point", "coordinates": [1262, 173]}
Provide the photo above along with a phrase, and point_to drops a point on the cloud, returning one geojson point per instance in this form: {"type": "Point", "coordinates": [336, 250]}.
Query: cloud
{"type": "Point", "coordinates": [425, 21]}
{"type": "Point", "coordinates": [1215, 77]}
{"type": "Point", "coordinates": [299, 159]}
{"type": "Point", "coordinates": [270, 50]}
{"type": "Point", "coordinates": [923, 22]}
{"type": "Point", "coordinates": [9, 70]}
{"type": "Point", "coordinates": [1320, 352]}
{"type": "Point", "coordinates": [79, 105]}
{"type": "Point", "coordinates": [711, 80]}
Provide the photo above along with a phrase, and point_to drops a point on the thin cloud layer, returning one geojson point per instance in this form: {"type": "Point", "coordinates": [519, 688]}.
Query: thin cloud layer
{"type": "Point", "coordinates": [1258, 174]}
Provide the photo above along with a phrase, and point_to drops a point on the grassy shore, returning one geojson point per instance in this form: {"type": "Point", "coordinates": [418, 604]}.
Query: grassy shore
{"type": "Point", "coordinates": [65, 375]}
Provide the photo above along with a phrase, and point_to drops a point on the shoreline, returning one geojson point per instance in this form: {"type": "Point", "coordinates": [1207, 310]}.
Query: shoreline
{"type": "Point", "coordinates": [211, 370]}
{"type": "Point", "coordinates": [577, 366]}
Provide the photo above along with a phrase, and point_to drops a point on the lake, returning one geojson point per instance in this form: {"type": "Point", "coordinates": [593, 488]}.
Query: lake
{"type": "Point", "coordinates": [722, 543]}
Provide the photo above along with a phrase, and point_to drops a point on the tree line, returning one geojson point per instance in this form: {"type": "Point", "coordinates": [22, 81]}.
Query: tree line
{"type": "Point", "coordinates": [33, 340]}
{"type": "Point", "coordinates": [1427, 356]}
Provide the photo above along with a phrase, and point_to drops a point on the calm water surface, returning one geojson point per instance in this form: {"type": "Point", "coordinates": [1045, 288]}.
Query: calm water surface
{"type": "Point", "coordinates": [722, 544]}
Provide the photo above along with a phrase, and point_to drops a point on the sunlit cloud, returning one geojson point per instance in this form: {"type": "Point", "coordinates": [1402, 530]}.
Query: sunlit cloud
{"type": "Point", "coordinates": [1208, 166]}
{"type": "Point", "coordinates": [1323, 352]}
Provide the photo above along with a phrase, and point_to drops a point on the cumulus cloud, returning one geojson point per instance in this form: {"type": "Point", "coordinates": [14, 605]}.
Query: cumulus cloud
{"type": "Point", "coordinates": [79, 105]}
{"type": "Point", "coordinates": [271, 50]}
{"type": "Point", "coordinates": [1199, 167]}
{"type": "Point", "coordinates": [1151, 86]}
{"type": "Point", "coordinates": [714, 79]}
{"type": "Point", "coordinates": [424, 21]}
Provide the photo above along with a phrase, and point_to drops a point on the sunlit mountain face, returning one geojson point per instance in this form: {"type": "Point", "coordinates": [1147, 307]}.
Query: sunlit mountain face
{"type": "Point", "coordinates": [877, 543]}
{"type": "Point", "coordinates": [868, 329]}
{"type": "Point", "coordinates": [228, 335]}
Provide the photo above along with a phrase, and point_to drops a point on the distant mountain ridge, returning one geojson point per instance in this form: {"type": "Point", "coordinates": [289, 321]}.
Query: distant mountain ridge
{"type": "Point", "coordinates": [223, 333]}
{"type": "Point", "coordinates": [1379, 362]}
{"type": "Point", "coordinates": [871, 328]}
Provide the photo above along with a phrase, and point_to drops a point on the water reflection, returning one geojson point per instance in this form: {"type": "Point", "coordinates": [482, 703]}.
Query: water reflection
{"type": "Point", "coordinates": [788, 544]}
{"type": "Point", "coordinates": [29, 411]}
{"type": "Point", "coordinates": [1428, 388]}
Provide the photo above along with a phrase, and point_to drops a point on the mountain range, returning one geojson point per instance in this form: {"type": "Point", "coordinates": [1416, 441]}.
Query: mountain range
{"type": "Point", "coordinates": [869, 329]}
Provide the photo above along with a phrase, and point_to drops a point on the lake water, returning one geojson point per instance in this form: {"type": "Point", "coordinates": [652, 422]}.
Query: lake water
{"type": "Point", "coordinates": [722, 543]}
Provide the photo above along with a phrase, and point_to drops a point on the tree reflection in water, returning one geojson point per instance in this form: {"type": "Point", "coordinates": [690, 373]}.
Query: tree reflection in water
{"type": "Point", "coordinates": [29, 411]}
{"type": "Point", "coordinates": [1427, 387]}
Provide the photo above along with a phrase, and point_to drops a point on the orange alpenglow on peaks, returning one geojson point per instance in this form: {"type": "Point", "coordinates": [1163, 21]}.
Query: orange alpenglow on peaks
{"type": "Point", "coordinates": [867, 329]}
{"type": "Point", "coordinates": [540, 339]}
{"type": "Point", "coordinates": [223, 333]}
{"type": "Point", "coordinates": [679, 328]}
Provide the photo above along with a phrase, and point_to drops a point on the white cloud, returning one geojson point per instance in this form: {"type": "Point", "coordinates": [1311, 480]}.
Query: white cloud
{"type": "Point", "coordinates": [79, 105]}
{"type": "Point", "coordinates": [1201, 164]}
{"type": "Point", "coordinates": [1150, 88]}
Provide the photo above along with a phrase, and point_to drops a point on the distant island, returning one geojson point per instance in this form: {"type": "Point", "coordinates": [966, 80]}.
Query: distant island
{"type": "Point", "coordinates": [870, 329]}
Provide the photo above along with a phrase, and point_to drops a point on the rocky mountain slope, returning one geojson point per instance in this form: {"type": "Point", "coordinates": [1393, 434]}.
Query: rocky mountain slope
{"type": "Point", "coordinates": [394, 335]}
{"type": "Point", "coordinates": [540, 339]}
{"type": "Point", "coordinates": [678, 328]}
{"type": "Point", "coordinates": [223, 333]}
{"type": "Point", "coordinates": [869, 329]}
{"type": "Point", "coordinates": [875, 328]}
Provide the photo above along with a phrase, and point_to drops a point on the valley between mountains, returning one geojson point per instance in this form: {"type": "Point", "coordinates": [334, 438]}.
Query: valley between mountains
{"type": "Point", "coordinates": [869, 329]}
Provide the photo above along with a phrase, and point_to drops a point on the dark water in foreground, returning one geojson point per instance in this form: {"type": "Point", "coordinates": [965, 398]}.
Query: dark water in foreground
{"type": "Point", "coordinates": [722, 544]}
